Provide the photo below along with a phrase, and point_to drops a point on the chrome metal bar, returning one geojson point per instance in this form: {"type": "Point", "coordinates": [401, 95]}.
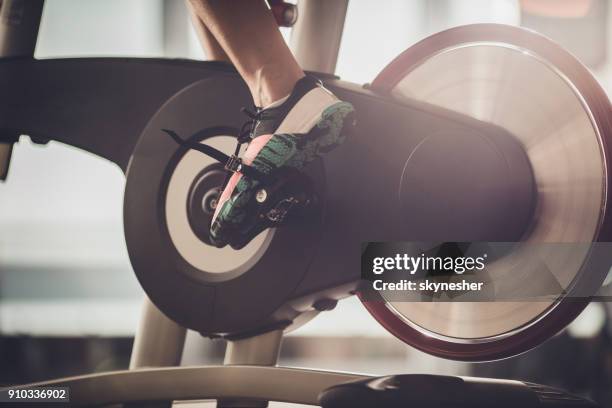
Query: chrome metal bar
{"type": "Point", "coordinates": [315, 39]}
{"type": "Point", "coordinates": [159, 341]}
{"type": "Point", "coordinates": [261, 350]}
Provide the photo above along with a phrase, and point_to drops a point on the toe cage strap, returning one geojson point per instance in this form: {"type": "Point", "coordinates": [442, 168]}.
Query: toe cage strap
{"type": "Point", "coordinates": [231, 163]}
{"type": "Point", "coordinates": [235, 165]}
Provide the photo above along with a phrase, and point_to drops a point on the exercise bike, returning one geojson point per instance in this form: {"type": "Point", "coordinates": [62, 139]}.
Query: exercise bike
{"type": "Point", "coordinates": [481, 133]}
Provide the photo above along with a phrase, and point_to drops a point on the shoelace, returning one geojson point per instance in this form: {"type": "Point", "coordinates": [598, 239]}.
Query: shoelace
{"type": "Point", "coordinates": [244, 136]}
{"type": "Point", "coordinates": [248, 128]}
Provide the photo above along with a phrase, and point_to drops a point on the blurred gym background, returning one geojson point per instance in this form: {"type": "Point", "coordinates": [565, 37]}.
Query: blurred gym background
{"type": "Point", "coordinates": [69, 301]}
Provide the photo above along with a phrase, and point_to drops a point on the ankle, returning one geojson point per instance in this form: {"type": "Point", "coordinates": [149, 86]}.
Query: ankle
{"type": "Point", "coordinates": [271, 83]}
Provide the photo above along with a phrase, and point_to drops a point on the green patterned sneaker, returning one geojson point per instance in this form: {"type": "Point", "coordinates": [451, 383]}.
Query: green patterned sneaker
{"type": "Point", "coordinates": [308, 123]}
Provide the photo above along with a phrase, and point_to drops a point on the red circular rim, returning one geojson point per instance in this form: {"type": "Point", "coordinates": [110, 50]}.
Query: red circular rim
{"type": "Point", "coordinates": [565, 310]}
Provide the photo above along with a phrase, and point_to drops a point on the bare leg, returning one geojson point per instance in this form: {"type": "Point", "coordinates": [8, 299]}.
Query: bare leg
{"type": "Point", "coordinates": [211, 46]}
{"type": "Point", "coordinates": [247, 32]}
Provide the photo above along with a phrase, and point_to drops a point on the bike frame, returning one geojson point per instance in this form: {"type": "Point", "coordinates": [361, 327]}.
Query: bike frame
{"type": "Point", "coordinates": [315, 41]}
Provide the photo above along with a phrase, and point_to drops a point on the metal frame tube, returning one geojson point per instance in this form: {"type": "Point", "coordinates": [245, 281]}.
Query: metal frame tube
{"type": "Point", "coordinates": [19, 23]}
{"type": "Point", "coordinates": [316, 36]}
{"type": "Point", "coordinates": [159, 341]}
{"type": "Point", "coordinates": [261, 350]}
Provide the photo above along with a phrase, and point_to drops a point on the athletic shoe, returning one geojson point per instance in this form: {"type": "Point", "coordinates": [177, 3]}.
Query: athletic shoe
{"type": "Point", "coordinates": [309, 122]}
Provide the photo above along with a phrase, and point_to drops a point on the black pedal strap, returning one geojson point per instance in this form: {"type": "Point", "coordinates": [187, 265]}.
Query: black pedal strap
{"type": "Point", "coordinates": [231, 163]}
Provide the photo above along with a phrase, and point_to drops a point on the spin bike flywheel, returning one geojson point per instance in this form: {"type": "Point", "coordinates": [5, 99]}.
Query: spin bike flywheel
{"type": "Point", "coordinates": [539, 93]}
